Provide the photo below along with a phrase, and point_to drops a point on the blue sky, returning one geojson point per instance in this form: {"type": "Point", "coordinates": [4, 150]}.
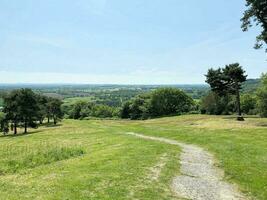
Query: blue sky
{"type": "Point", "coordinates": [123, 41]}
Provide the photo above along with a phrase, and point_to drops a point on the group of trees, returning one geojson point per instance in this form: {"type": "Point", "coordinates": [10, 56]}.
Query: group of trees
{"type": "Point", "coordinates": [25, 108]}
{"type": "Point", "coordinates": [225, 98]}
{"type": "Point", "coordinates": [83, 109]}
{"type": "Point", "coordinates": [161, 102]}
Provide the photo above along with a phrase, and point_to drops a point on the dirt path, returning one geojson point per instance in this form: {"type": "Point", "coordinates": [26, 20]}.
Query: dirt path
{"type": "Point", "coordinates": [200, 179]}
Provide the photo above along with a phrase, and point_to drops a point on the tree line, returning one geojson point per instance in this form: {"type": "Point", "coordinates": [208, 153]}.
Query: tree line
{"type": "Point", "coordinates": [25, 108]}
{"type": "Point", "coordinates": [225, 98]}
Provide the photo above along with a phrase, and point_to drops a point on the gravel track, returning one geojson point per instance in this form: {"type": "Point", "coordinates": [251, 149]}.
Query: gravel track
{"type": "Point", "coordinates": [200, 179]}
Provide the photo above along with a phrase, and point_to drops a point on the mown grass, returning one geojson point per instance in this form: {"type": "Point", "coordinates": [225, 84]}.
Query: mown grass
{"type": "Point", "coordinates": [113, 165]}
{"type": "Point", "coordinates": [240, 147]}
{"type": "Point", "coordinates": [118, 166]}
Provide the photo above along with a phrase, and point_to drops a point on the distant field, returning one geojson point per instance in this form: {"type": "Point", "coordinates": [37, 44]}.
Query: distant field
{"type": "Point", "coordinates": [73, 100]}
{"type": "Point", "coordinates": [94, 159]}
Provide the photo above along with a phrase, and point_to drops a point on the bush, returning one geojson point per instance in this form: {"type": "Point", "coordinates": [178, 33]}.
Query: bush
{"type": "Point", "coordinates": [169, 101]}
{"type": "Point", "coordinates": [248, 104]}
{"type": "Point", "coordinates": [161, 102]}
{"type": "Point", "coordinates": [103, 111]}
{"type": "Point", "coordinates": [214, 104]}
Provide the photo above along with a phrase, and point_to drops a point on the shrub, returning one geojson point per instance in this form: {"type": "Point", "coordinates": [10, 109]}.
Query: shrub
{"type": "Point", "coordinates": [248, 104]}
{"type": "Point", "coordinates": [169, 101]}
{"type": "Point", "coordinates": [214, 104]}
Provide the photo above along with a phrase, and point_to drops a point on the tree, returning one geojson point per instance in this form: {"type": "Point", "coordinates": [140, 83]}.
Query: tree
{"type": "Point", "coordinates": [256, 13]}
{"type": "Point", "coordinates": [140, 107]}
{"type": "Point", "coordinates": [54, 109]}
{"type": "Point", "coordinates": [170, 101]}
{"type": "Point", "coordinates": [227, 81]}
{"type": "Point", "coordinates": [28, 107]}
{"type": "Point", "coordinates": [21, 106]}
{"type": "Point", "coordinates": [262, 96]}
{"type": "Point", "coordinates": [102, 111]}
{"type": "Point", "coordinates": [125, 111]}
{"type": "Point", "coordinates": [11, 101]}
{"type": "Point", "coordinates": [42, 107]}
{"type": "Point", "coordinates": [75, 112]}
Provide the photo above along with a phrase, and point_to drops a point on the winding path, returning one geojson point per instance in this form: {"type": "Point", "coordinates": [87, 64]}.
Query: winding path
{"type": "Point", "coordinates": [200, 179]}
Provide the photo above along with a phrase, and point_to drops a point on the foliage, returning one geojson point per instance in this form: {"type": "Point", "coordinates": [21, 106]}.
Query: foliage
{"type": "Point", "coordinates": [161, 102]}
{"type": "Point", "coordinates": [227, 80]}
{"type": "Point", "coordinates": [139, 107]}
{"type": "Point", "coordinates": [83, 109]}
{"type": "Point", "coordinates": [256, 13]}
{"type": "Point", "coordinates": [3, 123]}
{"type": "Point", "coordinates": [27, 107]}
{"type": "Point", "coordinates": [54, 109]}
{"type": "Point", "coordinates": [42, 107]}
{"type": "Point", "coordinates": [215, 104]}
{"type": "Point", "coordinates": [262, 96]}
{"type": "Point", "coordinates": [169, 101]}
{"type": "Point", "coordinates": [23, 106]}
{"type": "Point", "coordinates": [248, 104]}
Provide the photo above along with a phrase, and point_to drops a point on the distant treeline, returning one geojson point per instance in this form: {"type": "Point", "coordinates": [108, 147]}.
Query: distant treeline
{"type": "Point", "coordinates": [160, 102]}
{"type": "Point", "coordinates": [27, 108]}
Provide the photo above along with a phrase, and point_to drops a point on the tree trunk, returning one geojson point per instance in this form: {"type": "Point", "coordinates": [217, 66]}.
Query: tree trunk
{"type": "Point", "coordinates": [15, 128]}
{"type": "Point", "coordinates": [239, 117]}
{"type": "Point", "coordinates": [25, 127]}
{"type": "Point", "coordinates": [48, 120]}
{"type": "Point", "coordinates": [55, 120]}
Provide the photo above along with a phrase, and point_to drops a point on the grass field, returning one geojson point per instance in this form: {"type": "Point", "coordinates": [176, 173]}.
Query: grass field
{"type": "Point", "coordinates": [94, 159]}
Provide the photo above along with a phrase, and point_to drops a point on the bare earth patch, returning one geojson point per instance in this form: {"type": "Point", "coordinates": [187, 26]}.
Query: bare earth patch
{"type": "Point", "coordinates": [156, 170]}
{"type": "Point", "coordinates": [200, 179]}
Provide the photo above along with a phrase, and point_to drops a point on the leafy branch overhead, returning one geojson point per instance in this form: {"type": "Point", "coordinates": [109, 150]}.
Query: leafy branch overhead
{"type": "Point", "coordinates": [256, 13]}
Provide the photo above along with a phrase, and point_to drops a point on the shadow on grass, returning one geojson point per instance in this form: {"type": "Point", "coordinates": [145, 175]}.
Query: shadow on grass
{"type": "Point", "coordinates": [245, 117]}
{"type": "Point", "coordinates": [22, 134]}
{"type": "Point", "coordinates": [51, 125]}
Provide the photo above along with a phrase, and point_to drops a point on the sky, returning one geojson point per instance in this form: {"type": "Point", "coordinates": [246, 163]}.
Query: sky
{"type": "Point", "coordinates": [123, 41]}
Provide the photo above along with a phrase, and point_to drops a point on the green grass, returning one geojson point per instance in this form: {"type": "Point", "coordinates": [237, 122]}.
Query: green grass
{"type": "Point", "coordinates": [39, 157]}
{"type": "Point", "coordinates": [240, 147]}
{"type": "Point", "coordinates": [101, 162]}
{"type": "Point", "coordinates": [113, 165]}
